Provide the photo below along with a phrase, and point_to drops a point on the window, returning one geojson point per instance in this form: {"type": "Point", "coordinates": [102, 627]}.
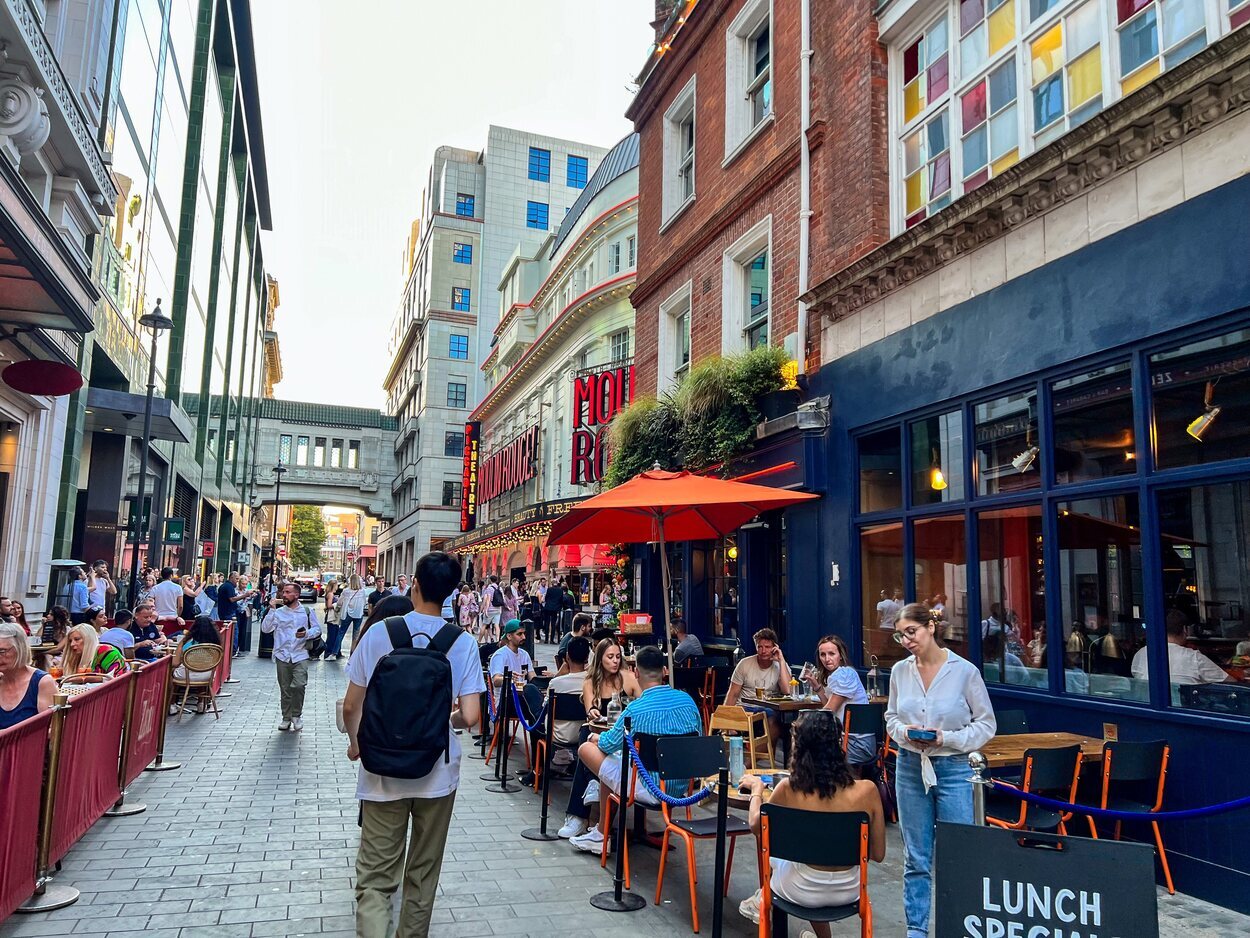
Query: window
{"type": "Point", "coordinates": [465, 205]}
{"type": "Point", "coordinates": [536, 214]}
{"type": "Point", "coordinates": [319, 452]}
{"type": "Point", "coordinates": [462, 253]}
{"type": "Point", "coordinates": [679, 145]}
{"type": "Point", "coordinates": [748, 73]}
{"type": "Point", "coordinates": [1066, 73]}
{"type": "Point", "coordinates": [940, 575]}
{"type": "Point", "coordinates": [927, 169]}
{"type": "Point", "coordinates": [633, 252]}
{"type": "Point", "coordinates": [881, 582]}
{"type": "Point", "coordinates": [578, 172]}
{"type": "Point", "coordinates": [458, 347]}
{"type": "Point", "coordinates": [756, 328]}
{"type": "Point", "coordinates": [614, 258]}
{"type": "Point", "coordinates": [985, 28]}
{"type": "Point", "coordinates": [460, 297]}
{"type": "Point", "coordinates": [336, 454]}
{"type": "Point", "coordinates": [618, 346]}
{"type": "Point", "coordinates": [746, 290]}
{"type": "Point", "coordinates": [1013, 597]}
{"type": "Point", "coordinates": [926, 71]}
{"type": "Point", "coordinates": [540, 164]}
{"type": "Point", "coordinates": [1201, 400]}
{"type": "Point", "coordinates": [1093, 421]}
{"type": "Point", "coordinates": [1238, 13]}
{"type": "Point", "coordinates": [1006, 444]}
{"type": "Point", "coordinates": [937, 459]}
{"type": "Point", "coordinates": [301, 451]}
{"type": "Point", "coordinates": [457, 394]}
{"type": "Point", "coordinates": [1184, 32]}
{"type": "Point", "coordinates": [353, 454]}
{"type": "Point", "coordinates": [673, 353]}
{"type": "Point", "coordinates": [991, 126]}
{"type": "Point", "coordinates": [880, 471]}
{"type": "Point", "coordinates": [284, 449]}
{"type": "Point", "coordinates": [451, 494]}
{"type": "Point", "coordinates": [453, 443]}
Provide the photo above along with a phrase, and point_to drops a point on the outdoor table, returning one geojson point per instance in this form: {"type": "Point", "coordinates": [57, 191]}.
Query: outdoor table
{"type": "Point", "coordinates": [739, 800]}
{"type": "Point", "coordinates": [787, 709]}
{"type": "Point", "coordinates": [1004, 752]}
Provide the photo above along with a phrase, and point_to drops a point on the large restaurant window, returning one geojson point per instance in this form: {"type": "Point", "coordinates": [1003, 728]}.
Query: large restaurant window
{"type": "Point", "coordinates": [1093, 420]}
{"type": "Point", "coordinates": [937, 459]}
{"type": "Point", "coordinates": [880, 471]}
{"type": "Point", "coordinates": [881, 582]}
{"type": "Point", "coordinates": [1013, 596]}
{"type": "Point", "coordinates": [1007, 448]}
{"type": "Point", "coordinates": [941, 576]}
{"type": "Point", "coordinates": [1202, 401]}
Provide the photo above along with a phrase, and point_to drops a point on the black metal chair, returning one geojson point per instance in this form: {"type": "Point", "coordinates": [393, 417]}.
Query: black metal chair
{"type": "Point", "coordinates": [864, 718]}
{"type": "Point", "coordinates": [1011, 722]}
{"type": "Point", "coordinates": [646, 753]}
{"type": "Point", "coordinates": [562, 707]}
{"type": "Point", "coordinates": [692, 760]}
{"type": "Point", "coordinates": [1133, 776]}
{"type": "Point", "coordinates": [817, 838]}
{"type": "Point", "coordinates": [1053, 773]}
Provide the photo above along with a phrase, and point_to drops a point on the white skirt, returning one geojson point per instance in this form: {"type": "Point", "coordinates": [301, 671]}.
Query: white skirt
{"type": "Point", "coordinates": [809, 887]}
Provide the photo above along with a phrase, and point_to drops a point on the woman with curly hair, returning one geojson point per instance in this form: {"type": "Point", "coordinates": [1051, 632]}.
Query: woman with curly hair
{"type": "Point", "coordinates": [820, 780]}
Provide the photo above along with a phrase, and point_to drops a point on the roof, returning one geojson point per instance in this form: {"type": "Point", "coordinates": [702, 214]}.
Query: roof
{"type": "Point", "coordinates": [620, 159]}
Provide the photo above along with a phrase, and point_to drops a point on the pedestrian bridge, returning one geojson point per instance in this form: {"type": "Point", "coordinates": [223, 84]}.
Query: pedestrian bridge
{"type": "Point", "coordinates": [334, 456]}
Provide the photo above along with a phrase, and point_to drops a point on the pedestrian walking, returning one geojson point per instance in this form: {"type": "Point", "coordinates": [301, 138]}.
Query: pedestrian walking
{"type": "Point", "coordinates": [468, 605]}
{"type": "Point", "coordinates": [939, 711]}
{"type": "Point", "coordinates": [492, 609]}
{"type": "Point", "coordinates": [421, 674]}
{"type": "Point", "coordinates": [292, 625]}
{"type": "Point", "coordinates": [351, 613]}
{"type": "Point", "coordinates": [553, 604]}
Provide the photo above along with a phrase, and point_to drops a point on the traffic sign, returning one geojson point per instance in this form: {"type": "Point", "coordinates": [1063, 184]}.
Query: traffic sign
{"type": "Point", "coordinates": [281, 551]}
{"type": "Point", "coordinates": [351, 556]}
{"type": "Point", "coordinates": [208, 548]}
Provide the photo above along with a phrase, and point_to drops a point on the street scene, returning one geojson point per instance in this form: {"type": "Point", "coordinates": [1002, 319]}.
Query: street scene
{"type": "Point", "coordinates": [656, 467]}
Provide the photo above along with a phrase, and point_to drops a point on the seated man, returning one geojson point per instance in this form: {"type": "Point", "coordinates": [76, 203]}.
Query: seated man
{"type": "Point", "coordinates": [147, 634]}
{"type": "Point", "coordinates": [659, 711]}
{"type": "Point", "coordinates": [1185, 665]}
{"type": "Point", "coordinates": [583, 622]}
{"type": "Point", "coordinates": [567, 732]}
{"type": "Point", "coordinates": [687, 645]}
{"type": "Point", "coordinates": [765, 671]}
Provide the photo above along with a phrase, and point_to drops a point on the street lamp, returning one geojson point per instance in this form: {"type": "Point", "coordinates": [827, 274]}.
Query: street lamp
{"type": "Point", "coordinates": [158, 322]}
{"type": "Point", "coordinates": [279, 471]}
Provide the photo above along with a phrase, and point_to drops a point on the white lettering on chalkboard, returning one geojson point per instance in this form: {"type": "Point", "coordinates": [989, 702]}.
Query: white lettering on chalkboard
{"type": "Point", "coordinates": [1002, 899]}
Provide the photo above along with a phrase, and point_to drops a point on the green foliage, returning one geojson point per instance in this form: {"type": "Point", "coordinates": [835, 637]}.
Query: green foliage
{"type": "Point", "coordinates": [308, 533]}
{"type": "Point", "coordinates": [708, 420]}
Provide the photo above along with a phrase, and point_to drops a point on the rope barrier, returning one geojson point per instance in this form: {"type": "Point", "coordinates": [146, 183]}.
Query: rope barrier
{"type": "Point", "coordinates": [1108, 814]}
{"type": "Point", "coordinates": [520, 713]}
{"type": "Point", "coordinates": [653, 786]}
{"type": "Point", "coordinates": [490, 703]}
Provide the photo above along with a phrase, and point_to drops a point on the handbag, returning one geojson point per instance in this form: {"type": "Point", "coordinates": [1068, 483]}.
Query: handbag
{"type": "Point", "coordinates": [332, 615]}
{"type": "Point", "coordinates": [314, 646]}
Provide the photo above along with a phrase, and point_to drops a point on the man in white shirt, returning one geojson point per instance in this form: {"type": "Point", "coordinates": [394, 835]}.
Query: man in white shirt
{"type": "Point", "coordinates": [167, 597]}
{"type": "Point", "coordinates": [292, 624]}
{"type": "Point", "coordinates": [102, 586]}
{"type": "Point", "coordinates": [401, 586]}
{"type": "Point", "coordinates": [887, 612]}
{"type": "Point", "coordinates": [388, 804]}
{"type": "Point", "coordinates": [1185, 665]}
{"type": "Point", "coordinates": [510, 654]}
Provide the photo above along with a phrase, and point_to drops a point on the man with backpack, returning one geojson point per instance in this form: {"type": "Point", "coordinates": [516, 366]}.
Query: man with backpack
{"type": "Point", "coordinates": [410, 681]}
{"type": "Point", "coordinates": [492, 609]}
{"type": "Point", "coordinates": [293, 625]}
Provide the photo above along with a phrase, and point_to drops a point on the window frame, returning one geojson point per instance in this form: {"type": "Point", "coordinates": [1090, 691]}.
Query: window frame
{"type": "Point", "coordinates": [453, 347]}
{"type": "Point", "coordinates": [453, 442]}
{"type": "Point", "coordinates": [736, 285]}
{"type": "Point", "coordinates": [614, 257]}
{"type": "Point", "coordinates": [741, 126]}
{"type": "Point", "coordinates": [462, 299]}
{"type": "Point", "coordinates": [466, 200]}
{"type": "Point", "coordinates": [536, 212]}
{"type": "Point", "coordinates": [580, 179]}
{"type": "Point", "coordinates": [462, 396]}
{"type": "Point", "coordinates": [674, 337]}
{"type": "Point", "coordinates": [462, 252]}
{"type": "Point", "coordinates": [539, 169]}
{"type": "Point", "coordinates": [679, 164]}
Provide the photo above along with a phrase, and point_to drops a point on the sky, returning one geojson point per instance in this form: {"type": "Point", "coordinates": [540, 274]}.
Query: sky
{"type": "Point", "coordinates": [356, 97]}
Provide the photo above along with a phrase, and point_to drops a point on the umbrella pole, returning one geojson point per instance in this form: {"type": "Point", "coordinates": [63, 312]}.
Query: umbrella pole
{"type": "Point", "coordinates": [668, 618]}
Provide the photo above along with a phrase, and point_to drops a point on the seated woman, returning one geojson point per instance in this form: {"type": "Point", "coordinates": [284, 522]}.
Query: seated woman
{"type": "Point", "coordinates": [86, 661]}
{"type": "Point", "coordinates": [19, 616]}
{"type": "Point", "coordinates": [24, 690]}
{"type": "Point", "coordinates": [606, 678]}
{"type": "Point", "coordinates": [820, 780]}
{"type": "Point", "coordinates": [837, 685]}
{"type": "Point", "coordinates": [203, 631]}
{"type": "Point", "coordinates": [97, 618]}
{"type": "Point", "coordinates": [56, 626]}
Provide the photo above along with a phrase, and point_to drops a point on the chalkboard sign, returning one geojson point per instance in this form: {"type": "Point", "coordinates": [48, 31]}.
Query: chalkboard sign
{"type": "Point", "coordinates": [994, 883]}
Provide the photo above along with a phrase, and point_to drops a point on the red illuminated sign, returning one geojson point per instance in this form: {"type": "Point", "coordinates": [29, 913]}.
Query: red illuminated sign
{"type": "Point", "coordinates": [468, 476]}
{"type": "Point", "coordinates": [513, 465]}
{"type": "Point", "coordinates": [597, 398]}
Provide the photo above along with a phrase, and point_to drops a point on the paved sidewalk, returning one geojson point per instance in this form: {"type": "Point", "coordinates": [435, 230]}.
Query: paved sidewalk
{"type": "Point", "coordinates": [256, 836]}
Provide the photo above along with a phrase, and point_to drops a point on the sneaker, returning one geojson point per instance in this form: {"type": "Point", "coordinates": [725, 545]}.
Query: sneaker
{"type": "Point", "coordinates": [284, 725]}
{"type": "Point", "coordinates": [297, 724]}
{"type": "Point", "coordinates": [807, 933]}
{"type": "Point", "coordinates": [574, 826]}
{"type": "Point", "coordinates": [589, 842]}
{"type": "Point", "coordinates": [749, 908]}
{"type": "Point", "coordinates": [592, 792]}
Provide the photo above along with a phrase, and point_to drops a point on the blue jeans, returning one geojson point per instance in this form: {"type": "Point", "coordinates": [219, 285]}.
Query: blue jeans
{"type": "Point", "coordinates": [349, 622]}
{"type": "Point", "coordinates": [918, 812]}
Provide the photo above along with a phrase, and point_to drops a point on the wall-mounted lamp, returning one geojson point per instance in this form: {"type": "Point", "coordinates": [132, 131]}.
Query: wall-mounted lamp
{"type": "Point", "coordinates": [1199, 425]}
{"type": "Point", "coordinates": [1025, 460]}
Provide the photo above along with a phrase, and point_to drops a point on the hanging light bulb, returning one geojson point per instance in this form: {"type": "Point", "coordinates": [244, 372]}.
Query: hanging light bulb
{"type": "Point", "coordinates": [937, 480]}
{"type": "Point", "coordinates": [733, 552]}
{"type": "Point", "coordinates": [1199, 425]}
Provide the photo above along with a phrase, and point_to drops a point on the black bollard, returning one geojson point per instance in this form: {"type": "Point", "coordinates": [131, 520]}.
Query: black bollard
{"type": "Point", "coordinates": [618, 900]}
{"type": "Point", "coordinates": [722, 818]}
{"type": "Point", "coordinates": [504, 786]}
{"type": "Point", "coordinates": [540, 832]}
{"type": "Point", "coordinates": [500, 724]}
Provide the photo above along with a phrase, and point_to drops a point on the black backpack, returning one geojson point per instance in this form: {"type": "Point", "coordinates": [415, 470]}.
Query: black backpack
{"type": "Point", "coordinates": [404, 725]}
{"type": "Point", "coordinates": [496, 597]}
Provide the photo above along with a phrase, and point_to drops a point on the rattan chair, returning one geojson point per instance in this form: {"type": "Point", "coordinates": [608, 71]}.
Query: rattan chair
{"type": "Point", "coordinates": [198, 659]}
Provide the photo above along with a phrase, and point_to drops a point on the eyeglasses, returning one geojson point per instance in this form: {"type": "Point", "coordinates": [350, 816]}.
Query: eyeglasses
{"type": "Point", "coordinates": [908, 634]}
{"type": "Point", "coordinates": [5, 651]}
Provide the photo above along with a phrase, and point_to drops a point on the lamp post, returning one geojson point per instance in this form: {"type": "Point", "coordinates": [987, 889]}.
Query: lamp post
{"type": "Point", "coordinates": [279, 471]}
{"type": "Point", "coordinates": [158, 322]}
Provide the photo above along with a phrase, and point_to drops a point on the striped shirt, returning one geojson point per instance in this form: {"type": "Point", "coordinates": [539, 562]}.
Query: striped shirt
{"type": "Point", "coordinates": [660, 711]}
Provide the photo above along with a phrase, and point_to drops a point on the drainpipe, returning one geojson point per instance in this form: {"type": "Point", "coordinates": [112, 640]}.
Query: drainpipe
{"type": "Point", "coordinates": [805, 174]}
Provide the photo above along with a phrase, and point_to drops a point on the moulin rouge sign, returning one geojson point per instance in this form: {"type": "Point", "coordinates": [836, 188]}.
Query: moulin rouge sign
{"type": "Point", "coordinates": [506, 468]}
{"type": "Point", "coordinates": [597, 398]}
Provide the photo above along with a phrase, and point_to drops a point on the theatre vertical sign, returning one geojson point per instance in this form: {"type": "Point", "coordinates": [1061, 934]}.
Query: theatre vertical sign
{"type": "Point", "coordinates": [597, 398]}
{"type": "Point", "coordinates": [468, 478]}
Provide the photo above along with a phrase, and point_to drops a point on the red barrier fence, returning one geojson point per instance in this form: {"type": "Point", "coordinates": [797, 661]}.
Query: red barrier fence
{"type": "Point", "coordinates": [22, 749]}
{"type": "Point", "coordinates": [146, 717]}
{"type": "Point", "coordinates": [87, 781]}
{"type": "Point", "coordinates": [226, 630]}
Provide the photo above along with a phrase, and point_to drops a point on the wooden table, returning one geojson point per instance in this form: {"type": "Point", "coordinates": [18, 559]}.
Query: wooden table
{"type": "Point", "coordinates": [787, 709]}
{"type": "Point", "coordinates": [739, 800]}
{"type": "Point", "coordinates": [1007, 751]}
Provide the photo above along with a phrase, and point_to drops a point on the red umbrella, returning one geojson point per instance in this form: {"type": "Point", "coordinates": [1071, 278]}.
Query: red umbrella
{"type": "Point", "coordinates": [668, 506]}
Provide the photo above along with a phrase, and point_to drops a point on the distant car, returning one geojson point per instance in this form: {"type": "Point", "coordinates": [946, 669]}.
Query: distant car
{"type": "Point", "coordinates": [307, 590]}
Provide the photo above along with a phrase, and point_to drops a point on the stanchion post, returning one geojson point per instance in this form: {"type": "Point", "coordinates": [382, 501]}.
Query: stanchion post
{"type": "Point", "coordinates": [722, 822]}
{"type": "Point", "coordinates": [505, 786]}
{"type": "Point", "coordinates": [618, 900]}
{"type": "Point", "coordinates": [49, 895]}
{"type": "Point", "coordinates": [501, 725]}
{"type": "Point", "coordinates": [121, 809]}
{"type": "Point", "coordinates": [976, 761]}
{"type": "Point", "coordinates": [160, 765]}
{"type": "Point", "coordinates": [540, 832]}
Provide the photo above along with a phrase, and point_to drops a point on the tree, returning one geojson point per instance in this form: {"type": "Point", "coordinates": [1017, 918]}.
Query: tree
{"type": "Point", "coordinates": [308, 533]}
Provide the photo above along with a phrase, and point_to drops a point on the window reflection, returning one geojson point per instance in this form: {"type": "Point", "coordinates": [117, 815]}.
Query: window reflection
{"type": "Point", "coordinates": [941, 577]}
{"type": "Point", "coordinates": [1094, 425]}
{"type": "Point", "coordinates": [1202, 401]}
{"type": "Point", "coordinates": [880, 471]}
{"type": "Point", "coordinates": [1007, 447]}
{"type": "Point", "coordinates": [937, 459]}
{"type": "Point", "coordinates": [881, 565]}
{"type": "Point", "coordinates": [1013, 596]}
{"type": "Point", "coordinates": [1101, 597]}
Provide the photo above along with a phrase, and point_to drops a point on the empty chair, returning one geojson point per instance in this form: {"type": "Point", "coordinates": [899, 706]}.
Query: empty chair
{"type": "Point", "coordinates": [1133, 776]}
{"type": "Point", "coordinates": [754, 725]}
{"type": "Point", "coordinates": [1053, 773]}
{"type": "Point", "coordinates": [863, 720]}
{"type": "Point", "coordinates": [198, 667]}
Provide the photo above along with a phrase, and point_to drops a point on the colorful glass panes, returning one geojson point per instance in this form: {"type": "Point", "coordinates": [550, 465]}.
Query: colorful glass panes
{"type": "Point", "coordinates": [1140, 77]}
{"type": "Point", "coordinates": [1139, 42]}
{"type": "Point", "coordinates": [1126, 8]}
{"type": "Point", "coordinates": [971, 12]}
{"type": "Point", "coordinates": [1002, 25]}
{"type": "Point", "coordinates": [927, 168]}
{"type": "Point", "coordinates": [926, 71]}
{"type": "Point", "coordinates": [992, 100]}
{"type": "Point", "coordinates": [1047, 52]}
{"type": "Point", "coordinates": [972, 106]}
{"type": "Point", "coordinates": [1085, 78]}
{"type": "Point", "coordinates": [1238, 17]}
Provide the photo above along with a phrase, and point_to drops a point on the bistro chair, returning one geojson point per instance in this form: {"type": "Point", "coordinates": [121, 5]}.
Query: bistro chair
{"type": "Point", "coordinates": [694, 682]}
{"type": "Point", "coordinates": [753, 724]}
{"type": "Point", "coordinates": [864, 718]}
{"type": "Point", "coordinates": [198, 659]}
{"type": "Point", "coordinates": [1053, 773]}
{"type": "Point", "coordinates": [817, 838]}
{"type": "Point", "coordinates": [562, 707]}
{"type": "Point", "coordinates": [1133, 776]}
{"type": "Point", "coordinates": [1011, 722]}
{"type": "Point", "coordinates": [693, 760]}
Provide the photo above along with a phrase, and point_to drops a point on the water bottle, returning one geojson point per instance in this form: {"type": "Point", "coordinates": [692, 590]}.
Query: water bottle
{"type": "Point", "coordinates": [614, 709]}
{"type": "Point", "coordinates": [737, 768]}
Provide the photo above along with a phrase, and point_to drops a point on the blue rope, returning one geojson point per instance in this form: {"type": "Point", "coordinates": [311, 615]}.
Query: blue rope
{"type": "Point", "coordinates": [490, 703]}
{"type": "Point", "coordinates": [1110, 815]}
{"type": "Point", "coordinates": [520, 713]}
{"type": "Point", "coordinates": [653, 786]}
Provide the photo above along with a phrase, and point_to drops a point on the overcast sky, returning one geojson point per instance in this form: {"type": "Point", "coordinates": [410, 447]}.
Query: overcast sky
{"type": "Point", "coordinates": [355, 98]}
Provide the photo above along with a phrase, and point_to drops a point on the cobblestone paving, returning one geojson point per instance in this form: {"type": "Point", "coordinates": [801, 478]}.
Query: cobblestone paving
{"type": "Point", "coordinates": [256, 836]}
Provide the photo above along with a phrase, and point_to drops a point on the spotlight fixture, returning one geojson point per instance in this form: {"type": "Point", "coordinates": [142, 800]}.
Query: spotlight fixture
{"type": "Point", "coordinates": [1025, 460]}
{"type": "Point", "coordinates": [1199, 425]}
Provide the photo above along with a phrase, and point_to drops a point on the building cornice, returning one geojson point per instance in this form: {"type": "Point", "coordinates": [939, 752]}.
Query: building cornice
{"type": "Point", "coordinates": [682, 36]}
{"type": "Point", "coordinates": [1181, 103]}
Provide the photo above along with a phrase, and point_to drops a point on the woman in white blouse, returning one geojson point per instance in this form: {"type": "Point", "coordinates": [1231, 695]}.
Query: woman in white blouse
{"type": "Point", "coordinates": [939, 711]}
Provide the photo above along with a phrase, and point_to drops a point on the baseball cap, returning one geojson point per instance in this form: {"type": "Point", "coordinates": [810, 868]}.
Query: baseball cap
{"type": "Point", "coordinates": [512, 625]}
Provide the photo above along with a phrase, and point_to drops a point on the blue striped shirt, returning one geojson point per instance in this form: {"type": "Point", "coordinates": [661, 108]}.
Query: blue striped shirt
{"type": "Point", "coordinates": [660, 711]}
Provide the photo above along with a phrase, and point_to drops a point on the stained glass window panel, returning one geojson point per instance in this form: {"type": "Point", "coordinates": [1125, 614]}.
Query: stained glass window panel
{"type": "Point", "coordinates": [1048, 102]}
{"type": "Point", "coordinates": [972, 106]}
{"type": "Point", "coordinates": [1084, 29]}
{"type": "Point", "coordinates": [970, 14]}
{"type": "Point", "coordinates": [974, 50]}
{"type": "Point", "coordinates": [1003, 86]}
{"type": "Point", "coordinates": [1140, 77]}
{"type": "Point", "coordinates": [939, 78]}
{"type": "Point", "coordinates": [1047, 53]}
{"type": "Point", "coordinates": [941, 175]}
{"type": "Point", "coordinates": [976, 150]}
{"type": "Point", "coordinates": [1004, 133]}
{"type": "Point", "coordinates": [1126, 8]}
{"type": "Point", "coordinates": [1139, 42]}
{"type": "Point", "coordinates": [1085, 78]}
{"type": "Point", "coordinates": [911, 60]}
{"type": "Point", "coordinates": [1002, 23]}
{"type": "Point", "coordinates": [913, 101]}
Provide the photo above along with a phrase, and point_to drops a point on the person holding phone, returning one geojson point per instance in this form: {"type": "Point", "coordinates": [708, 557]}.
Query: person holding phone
{"type": "Point", "coordinates": [292, 624]}
{"type": "Point", "coordinates": [939, 711]}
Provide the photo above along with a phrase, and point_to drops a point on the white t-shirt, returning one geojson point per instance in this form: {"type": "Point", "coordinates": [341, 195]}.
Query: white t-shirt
{"type": "Point", "coordinates": [167, 595]}
{"type": "Point", "coordinates": [466, 679]}
{"type": "Point", "coordinates": [1185, 666]}
{"type": "Point", "coordinates": [750, 675]}
{"type": "Point", "coordinates": [567, 730]}
{"type": "Point", "coordinates": [887, 613]}
{"type": "Point", "coordinates": [514, 661]}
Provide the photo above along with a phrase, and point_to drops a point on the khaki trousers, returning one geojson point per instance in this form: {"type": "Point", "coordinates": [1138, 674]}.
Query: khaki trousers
{"type": "Point", "coordinates": [380, 862]}
{"type": "Point", "coordinates": [292, 679]}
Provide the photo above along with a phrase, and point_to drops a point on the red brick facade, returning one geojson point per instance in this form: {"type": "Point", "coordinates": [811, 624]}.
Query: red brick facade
{"type": "Point", "coordinates": [849, 184]}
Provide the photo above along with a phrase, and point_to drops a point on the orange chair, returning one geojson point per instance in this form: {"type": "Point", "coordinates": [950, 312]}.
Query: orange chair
{"type": "Point", "coordinates": [1125, 767]}
{"type": "Point", "coordinates": [1050, 772]}
{"type": "Point", "coordinates": [646, 752]}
